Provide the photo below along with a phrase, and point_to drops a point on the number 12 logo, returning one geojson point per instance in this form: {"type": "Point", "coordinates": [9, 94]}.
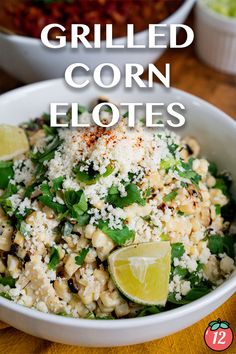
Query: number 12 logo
{"type": "Point", "coordinates": [218, 336]}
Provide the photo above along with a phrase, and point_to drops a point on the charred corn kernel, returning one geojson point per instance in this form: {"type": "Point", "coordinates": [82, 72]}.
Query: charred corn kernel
{"type": "Point", "coordinates": [212, 269]}
{"type": "Point", "coordinates": [91, 256]}
{"type": "Point", "coordinates": [36, 137]}
{"type": "Point", "coordinates": [13, 266]}
{"type": "Point", "coordinates": [89, 230]}
{"type": "Point", "coordinates": [211, 181]}
{"type": "Point", "coordinates": [102, 243]}
{"type": "Point", "coordinates": [69, 241]}
{"type": "Point", "coordinates": [227, 265]}
{"type": "Point", "coordinates": [49, 212]}
{"type": "Point", "coordinates": [6, 232]}
{"type": "Point", "coordinates": [70, 266]}
{"type": "Point", "coordinates": [201, 167]}
{"type": "Point", "coordinates": [193, 147]}
{"type": "Point", "coordinates": [111, 285]}
{"type": "Point", "coordinates": [110, 299]}
{"type": "Point", "coordinates": [19, 239]}
{"type": "Point", "coordinates": [61, 252]}
{"type": "Point", "coordinates": [86, 296]}
{"type": "Point", "coordinates": [188, 208]}
{"type": "Point", "coordinates": [104, 308]}
{"type": "Point", "coordinates": [217, 197]}
{"type": "Point", "coordinates": [102, 276]}
{"type": "Point", "coordinates": [122, 309]}
{"type": "Point", "coordinates": [31, 218]}
{"type": "Point", "coordinates": [81, 243]}
{"type": "Point", "coordinates": [2, 267]}
{"type": "Point", "coordinates": [205, 216]}
{"type": "Point", "coordinates": [62, 291]}
{"type": "Point", "coordinates": [21, 253]}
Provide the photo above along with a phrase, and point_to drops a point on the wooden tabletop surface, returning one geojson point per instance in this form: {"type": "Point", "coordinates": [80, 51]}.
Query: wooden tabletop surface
{"type": "Point", "coordinates": [193, 76]}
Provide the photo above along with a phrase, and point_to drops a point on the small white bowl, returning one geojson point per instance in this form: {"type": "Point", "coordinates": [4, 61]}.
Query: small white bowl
{"type": "Point", "coordinates": [28, 60]}
{"type": "Point", "coordinates": [215, 38]}
{"type": "Point", "coordinates": [217, 144]}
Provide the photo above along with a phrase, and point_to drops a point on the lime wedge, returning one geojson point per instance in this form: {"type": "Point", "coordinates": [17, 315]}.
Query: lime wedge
{"type": "Point", "coordinates": [13, 142]}
{"type": "Point", "coordinates": [141, 272]}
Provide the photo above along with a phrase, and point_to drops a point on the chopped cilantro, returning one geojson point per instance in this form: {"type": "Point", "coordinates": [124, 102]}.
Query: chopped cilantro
{"type": "Point", "coordinates": [172, 148]}
{"type": "Point", "coordinates": [48, 153]}
{"type": "Point", "coordinates": [48, 201]}
{"type": "Point", "coordinates": [222, 244]}
{"type": "Point", "coordinates": [79, 260]}
{"type": "Point", "coordinates": [133, 196]}
{"type": "Point", "coordinates": [148, 310]}
{"type": "Point", "coordinates": [54, 259]}
{"type": "Point", "coordinates": [217, 209]}
{"type": "Point", "coordinates": [212, 169]}
{"type": "Point", "coordinates": [177, 250]}
{"type": "Point", "coordinates": [188, 173]}
{"type": "Point", "coordinates": [5, 296]}
{"type": "Point", "coordinates": [7, 281]}
{"type": "Point", "coordinates": [180, 213]}
{"type": "Point", "coordinates": [119, 236]}
{"type": "Point", "coordinates": [6, 173]}
{"type": "Point", "coordinates": [91, 176]}
{"type": "Point", "coordinates": [170, 196]}
{"type": "Point", "coordinates": [57, 183]}
{"type": "Point", "coordinates": [223, 183]}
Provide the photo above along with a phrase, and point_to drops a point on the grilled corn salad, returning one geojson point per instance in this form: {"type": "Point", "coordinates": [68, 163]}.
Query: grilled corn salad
{"type": "Point", "coordinates": [110, 223]}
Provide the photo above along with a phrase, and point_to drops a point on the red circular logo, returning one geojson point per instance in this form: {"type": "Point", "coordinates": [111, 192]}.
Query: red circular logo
{"type": "Point", "coordinates": [218, 336]}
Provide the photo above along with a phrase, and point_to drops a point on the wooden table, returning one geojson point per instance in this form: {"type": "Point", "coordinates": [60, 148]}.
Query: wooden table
{"type": "Point", "coordinates": [188, 74]}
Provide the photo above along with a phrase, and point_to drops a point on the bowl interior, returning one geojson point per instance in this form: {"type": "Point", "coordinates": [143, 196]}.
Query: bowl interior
{"type": "Point", "coordinates": [213, 129]}
{"type": "Point", "coordinates": [215, 132]}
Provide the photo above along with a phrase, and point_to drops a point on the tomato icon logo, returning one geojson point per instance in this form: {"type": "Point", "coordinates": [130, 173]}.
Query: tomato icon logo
{"type": "Point", "coordinates": [218, 336]}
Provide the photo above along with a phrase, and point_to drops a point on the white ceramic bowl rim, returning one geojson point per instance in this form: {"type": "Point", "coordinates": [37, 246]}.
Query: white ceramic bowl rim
{"type": "Point", "coordinates": [175, 314]}
{"type": "Point", "coordinates": [32, 40]}
{"type": "Point", "coordinates": [226, 20]}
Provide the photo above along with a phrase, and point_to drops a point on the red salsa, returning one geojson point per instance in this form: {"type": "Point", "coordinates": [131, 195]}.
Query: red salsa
{"type": "Point", "coordinates": [28, 17]}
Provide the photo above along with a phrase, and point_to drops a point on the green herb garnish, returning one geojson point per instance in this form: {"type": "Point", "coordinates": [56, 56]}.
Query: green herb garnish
{"type": "Point", "coordinates": [79, 260]}
{"type": "Point", "coordinates": [133, 196]}
{"type": "Point", "coordinates": [54, 259]}
{"type": "Point", "coordinates": [119, 236]}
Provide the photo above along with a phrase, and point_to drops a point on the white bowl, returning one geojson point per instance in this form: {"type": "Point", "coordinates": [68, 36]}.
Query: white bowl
{"type": "Point", "coordinates": [215, 38]}
{"type": "Point", "coordinates": [216, 133]}
{"type": "Point", "coordinates": [28, 60]}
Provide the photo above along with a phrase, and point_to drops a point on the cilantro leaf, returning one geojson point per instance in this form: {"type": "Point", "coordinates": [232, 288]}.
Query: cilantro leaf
{"type": "Point", "coordinates": [79, 260]}
{"type": "Point", "coordinates": [212, 169]}
{"type": "Point", "coordinates": [5, 296]}
{"type": "Point", "coordinates": [119, 236]}
{"type": "Point", "coordinates": [54, 259]}
{"type": "Point", "coordinates": [170, 196]}
{"type": "Point", "coordinates": [177, 250]}
{"type": "Point", "coordinates": [133, 196]}
{"type": "Point", "coordinates": [7, 281]}
{"type": "Point", "coordinates": [48, 153]}
{"type": "Point", "coordinates": [48, 201]}
{"type": "Point", "coordinates": [91, 176]}
{"type": "Point", "coordinates": [148, 310]}
{"type": "Point", "coordinates": [222, 244]}
{"type": "Point", "coordinates": [193, 294]}
{"type": "Point", "coordinates": [6, 173]}
{"type": "Point", "coordinates": [188, 172]}
{"type": "Point", "coordinates": [217, 209]}
{"type": "Point", "coordinates": [57, 183]}
{"type": "Point", "coordinates": [223, 183]}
